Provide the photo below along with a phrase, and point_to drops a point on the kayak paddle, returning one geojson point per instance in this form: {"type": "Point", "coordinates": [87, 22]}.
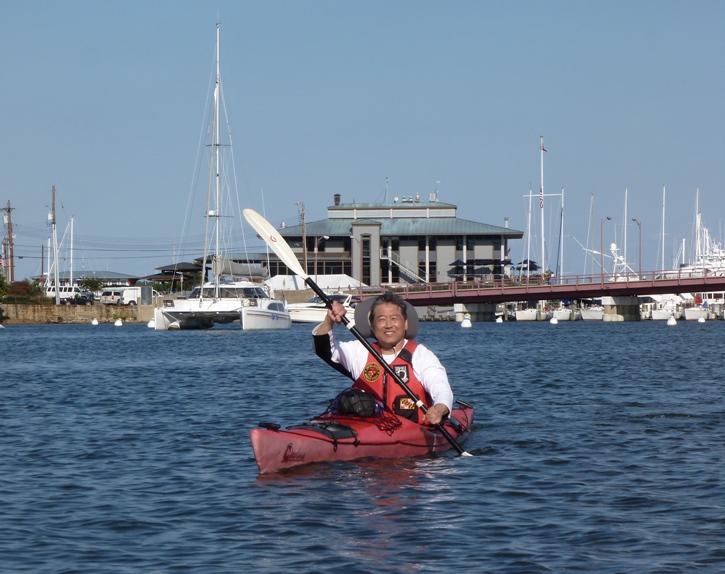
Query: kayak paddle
{"type": "Point", "coordinates": [277, 243]}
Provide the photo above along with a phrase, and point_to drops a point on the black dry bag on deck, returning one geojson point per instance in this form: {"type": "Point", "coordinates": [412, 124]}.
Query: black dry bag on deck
{"type": "Point", "coordinates": [356, 402]}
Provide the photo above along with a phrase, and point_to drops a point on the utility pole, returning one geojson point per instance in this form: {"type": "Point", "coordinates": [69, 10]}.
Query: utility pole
{"type": "Point", "coordinates": [55, 250]}
{"type": "Point", "coordinates": [9, 254]}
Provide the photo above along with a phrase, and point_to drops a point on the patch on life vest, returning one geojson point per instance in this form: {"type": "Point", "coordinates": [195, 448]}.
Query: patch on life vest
{"type": "Point", "coordinates": [402, 372]}
{"type": "Point", "coordinates": [371, 372]}
{"type": "Point", "coordinates": [406, 404]}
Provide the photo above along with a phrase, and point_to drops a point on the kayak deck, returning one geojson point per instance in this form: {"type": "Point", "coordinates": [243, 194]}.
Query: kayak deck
{"type": "Point", "coordinates": [343, 437]}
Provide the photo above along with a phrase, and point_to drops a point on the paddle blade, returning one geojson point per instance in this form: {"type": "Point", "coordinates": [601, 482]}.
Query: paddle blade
{"type": "Point", "coordinates": [275, 241]}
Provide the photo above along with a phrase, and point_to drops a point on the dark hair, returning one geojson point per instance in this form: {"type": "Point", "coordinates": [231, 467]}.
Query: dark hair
{"type": "Point", "coordinates": [390, 298]}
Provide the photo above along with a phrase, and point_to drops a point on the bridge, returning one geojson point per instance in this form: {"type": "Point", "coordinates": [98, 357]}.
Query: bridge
{"type": "Point", "coordinates": [537, 288]}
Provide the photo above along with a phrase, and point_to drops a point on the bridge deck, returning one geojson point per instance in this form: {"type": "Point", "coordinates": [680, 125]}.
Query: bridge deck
{"type": "Point", "coordinates": [565, 287]}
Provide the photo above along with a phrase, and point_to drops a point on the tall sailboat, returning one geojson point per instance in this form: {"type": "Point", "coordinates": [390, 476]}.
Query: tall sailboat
{"type": "Point", "coordinates": [236, 292]}
{"type": "Point", "coordinates": [540, 312]}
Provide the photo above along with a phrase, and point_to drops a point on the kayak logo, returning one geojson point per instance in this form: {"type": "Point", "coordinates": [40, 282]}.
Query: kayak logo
{"type": "Point", "coordinates": [371, 372]}
{"type": "Point", "coordinates": [402, 372]}
{"type": "Point", "coordinates": [292, 455]}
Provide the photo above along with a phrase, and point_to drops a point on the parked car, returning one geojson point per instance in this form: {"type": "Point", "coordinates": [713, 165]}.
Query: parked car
{"type": "Point", "coordinates": [82, 298]}
{"type": "Point", "coordinates": [64, 292]}
{"type": "Point", "coordinates": [112, 297]}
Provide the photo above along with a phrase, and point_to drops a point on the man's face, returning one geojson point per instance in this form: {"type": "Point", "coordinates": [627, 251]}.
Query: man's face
{"type": "Point", "coordinates": [389, 326]}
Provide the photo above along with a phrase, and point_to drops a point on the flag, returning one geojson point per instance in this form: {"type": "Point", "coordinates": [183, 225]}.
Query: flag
{"type": "Point", "coordinates": [541, 197]}
{"type": "Point", "coordinates": [542, 147]}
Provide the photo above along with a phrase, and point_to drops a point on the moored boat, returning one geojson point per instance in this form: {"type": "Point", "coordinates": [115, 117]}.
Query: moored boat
{"type": "Point", "coordinates": [315, 310]}
{"type": "Point", "coordinates": [237, 292]}
{"type": "Point", "coordinates": [243, 301]}
{"type": "Point", "coordinates": [592, 313]}
{"type": "Point", "coordinates": [334, 437]}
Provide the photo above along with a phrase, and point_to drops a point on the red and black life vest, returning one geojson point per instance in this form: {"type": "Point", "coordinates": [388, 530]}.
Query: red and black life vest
{"type": "Point", "coordinates": [374, 379]}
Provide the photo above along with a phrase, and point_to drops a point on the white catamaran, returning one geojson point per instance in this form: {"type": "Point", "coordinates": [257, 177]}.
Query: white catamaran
{"type": "Point", "coordinates": [237, 292]}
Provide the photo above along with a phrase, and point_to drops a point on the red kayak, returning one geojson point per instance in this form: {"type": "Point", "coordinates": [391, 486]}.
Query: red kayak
{"type": "Point", "coordinates": [345, 437]}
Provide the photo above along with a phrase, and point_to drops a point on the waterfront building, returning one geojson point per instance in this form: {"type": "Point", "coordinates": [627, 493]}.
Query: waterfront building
{"type": "Point", "coordinates": [406, 241]}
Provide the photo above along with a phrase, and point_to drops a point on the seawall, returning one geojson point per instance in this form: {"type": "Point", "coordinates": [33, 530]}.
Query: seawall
{"type": "Point", "coordinates": [54, 314]}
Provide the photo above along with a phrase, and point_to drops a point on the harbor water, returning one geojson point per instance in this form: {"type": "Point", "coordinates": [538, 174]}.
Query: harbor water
{"type": "Point", "coordinates": [598, 447]}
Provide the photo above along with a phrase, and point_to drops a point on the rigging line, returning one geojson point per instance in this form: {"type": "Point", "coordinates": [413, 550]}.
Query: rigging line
{"type": "Point", "coordinates": [194, 184]}
{"type": "Point", "coordinates": [232, 168]}
{"type": "Point", "coordinates": [265, 243]}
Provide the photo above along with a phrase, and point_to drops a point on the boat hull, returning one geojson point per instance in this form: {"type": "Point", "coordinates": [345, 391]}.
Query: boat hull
{"type": "Point", "coordinates": [257, 319]}
{"type": "Point", "coordinates": [300, 314]}
{"type": "Point", "coordinates": [592, 313]}
{"type": "Point", "coordinates": [277, 450]}
{"type": "Point", "coordinates": [562, 314]}
{"type": "Point", "coordinates": [695, 313]}
{"type": "Point", "coordinates": [664, 314]}
{"type": "Point", "coordinates": [527, 314]}
{"type": "Point", "coordinates": [185, 314]}
{"type": "Point", "coordinates": [315, 311]}
{"type": "Point", "coordinates": [533, 314]}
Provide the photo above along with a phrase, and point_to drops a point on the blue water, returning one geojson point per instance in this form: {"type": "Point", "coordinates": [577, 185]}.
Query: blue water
{"type": "Point", "coordinates": [598, 448]}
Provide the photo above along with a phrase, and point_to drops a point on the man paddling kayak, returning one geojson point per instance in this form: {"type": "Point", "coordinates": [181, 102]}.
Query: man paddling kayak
{"type": "Point", "coordinates": [417, 366]}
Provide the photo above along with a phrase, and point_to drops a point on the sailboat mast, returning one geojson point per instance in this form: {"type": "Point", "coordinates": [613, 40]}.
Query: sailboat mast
{"type": "Point", "coordinates": [589, 227]}
{"type": "Point", "coordinates": [541, 204]}
{"type": "Point", "coordinates": [626, 220]}
{"type": "Point", "coordinates": [698, 220]}
{"type": "Point", "coordinates": [217, 91]}
{"type": "Point", "coordinates": [664, 193]}
{"type": "Point", "coordinates": [70, 278]}
{"type": "Point", "coordinates": [528, 238]}
{"type": "Point", "coordinates": [561, 236]}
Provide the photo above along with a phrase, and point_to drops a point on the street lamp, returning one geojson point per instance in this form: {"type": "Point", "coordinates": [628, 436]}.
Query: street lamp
{"type": "Point", "coordinates": [601, 246]}
{"type": "Point", "coordinates": [317, 242]}
{"type": "Point", "coordinates": [639, 224]}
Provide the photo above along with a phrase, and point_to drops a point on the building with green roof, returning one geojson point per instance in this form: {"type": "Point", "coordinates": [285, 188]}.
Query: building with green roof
{"type": "Point", "coordinates": [408, 240]}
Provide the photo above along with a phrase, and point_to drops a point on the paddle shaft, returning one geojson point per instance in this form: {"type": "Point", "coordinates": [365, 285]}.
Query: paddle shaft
{"type": "Point", "coordinates": [388, 369]}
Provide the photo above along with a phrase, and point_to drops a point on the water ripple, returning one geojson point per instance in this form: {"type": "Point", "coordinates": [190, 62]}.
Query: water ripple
{"type": "Point", "coordinates": [596, 449]}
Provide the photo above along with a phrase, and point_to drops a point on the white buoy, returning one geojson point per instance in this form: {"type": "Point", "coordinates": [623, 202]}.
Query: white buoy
{"type": "Point", "coordinates": [499, 319]}
{"type": "Point", "coordinates": [672, 321]}
{"type": "Point", "coordinates": [554, 321]}
{"type": "Point", "coordinates": [466, 323]}
{"type": "Point", "coordinates": [174, 326]}
{"type": "Point", "coordinates": [94, 321]}
{"type": "Point", "coordinates": [151, 324]}
{"type": "Point", "coordinates": [118, 323]}
{"type": "Point", "coordinates": [701, 320]}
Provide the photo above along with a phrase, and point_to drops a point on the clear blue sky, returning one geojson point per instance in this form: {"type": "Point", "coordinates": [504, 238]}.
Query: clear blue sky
{"type": "Point", "coordinates": [104, 100]}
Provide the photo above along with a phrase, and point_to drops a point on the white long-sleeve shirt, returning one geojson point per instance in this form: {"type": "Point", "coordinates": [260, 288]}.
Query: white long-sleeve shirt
{"type": "Point", "coordinates": [353, 356]}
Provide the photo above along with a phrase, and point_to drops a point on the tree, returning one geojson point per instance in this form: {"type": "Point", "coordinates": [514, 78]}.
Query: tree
{"type": "Point", "coordinates": [20, 289]}
{"type": "Point", "coordinates": [93, 284]}
{"type": "Point", "coordinates": [3, 286]}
